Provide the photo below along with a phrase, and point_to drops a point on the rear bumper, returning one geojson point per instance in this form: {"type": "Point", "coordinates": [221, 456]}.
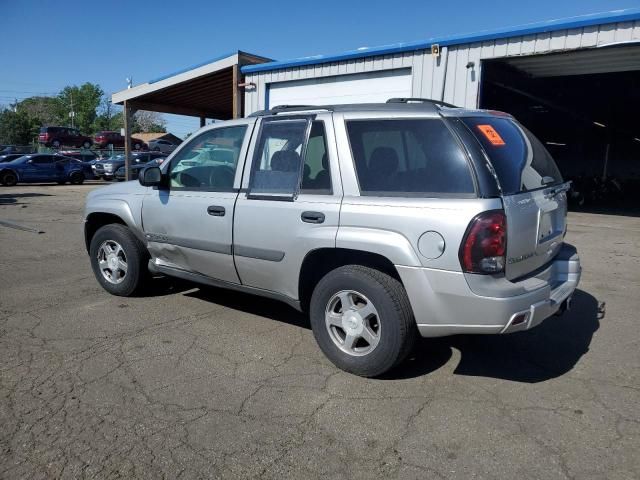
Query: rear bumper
{"type": "Point", "coordinates": [444, 303]}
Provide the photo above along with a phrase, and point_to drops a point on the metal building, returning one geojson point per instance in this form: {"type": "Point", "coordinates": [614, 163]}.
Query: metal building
{"type": "Point", "coordinates": [574, 82]}
{"type": "Point", "coordinates": [449, 68]}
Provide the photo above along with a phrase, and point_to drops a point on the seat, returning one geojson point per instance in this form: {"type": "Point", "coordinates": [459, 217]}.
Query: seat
{"type": "Point", "coordinates": [383, 166]}
{"type": "Point", "coordinates": [323, 177]}
{"type": "Point", "coordinates": [285, 161]}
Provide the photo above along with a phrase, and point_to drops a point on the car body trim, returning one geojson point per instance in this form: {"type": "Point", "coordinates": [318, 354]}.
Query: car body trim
{"type": "Point", "coordinates": [258, 253]}
{"type": "Point", "coordinates": [205, 245]}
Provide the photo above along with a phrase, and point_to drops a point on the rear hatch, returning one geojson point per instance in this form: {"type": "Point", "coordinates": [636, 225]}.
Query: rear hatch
{"type": "Point", "coordinates": [533, 192]}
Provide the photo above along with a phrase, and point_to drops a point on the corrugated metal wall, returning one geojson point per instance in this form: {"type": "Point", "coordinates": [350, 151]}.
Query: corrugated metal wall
{"type": "Point", "coordinates": [461, 84]}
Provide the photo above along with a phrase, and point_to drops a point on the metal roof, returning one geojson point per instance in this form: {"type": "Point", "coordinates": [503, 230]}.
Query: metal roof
{"type": "Point", "coordinates": [204, 90]}
{"type": "Point", "coordinates": [580, 21]}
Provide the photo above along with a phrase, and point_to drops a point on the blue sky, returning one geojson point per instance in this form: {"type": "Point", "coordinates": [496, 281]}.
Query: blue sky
{"type": "Point", "coordinates": [49, 44]}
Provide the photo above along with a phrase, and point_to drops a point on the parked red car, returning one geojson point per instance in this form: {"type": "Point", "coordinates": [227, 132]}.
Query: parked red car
{"type": "Point", "coordinates": [106, 138]}
{"type": "Point", "coordinates": [57, 137]}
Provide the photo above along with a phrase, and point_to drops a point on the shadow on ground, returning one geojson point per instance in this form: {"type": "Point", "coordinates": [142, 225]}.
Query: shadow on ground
{"type": "Point", "coordinates": [12, 198]}
{"type": "Point", "coordinates": [545, 352]}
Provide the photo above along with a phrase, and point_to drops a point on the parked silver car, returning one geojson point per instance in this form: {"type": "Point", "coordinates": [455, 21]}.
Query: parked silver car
{"type": "Point", "coordinates": [162, 145]}
{"type": "Point", "coordinates": [383, 221]}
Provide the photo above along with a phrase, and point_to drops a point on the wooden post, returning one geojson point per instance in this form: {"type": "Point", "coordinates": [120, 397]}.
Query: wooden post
{"type": "Point", "coordinates": [237, 101]}
{"type": "Point", "coordinates": [127, 140]}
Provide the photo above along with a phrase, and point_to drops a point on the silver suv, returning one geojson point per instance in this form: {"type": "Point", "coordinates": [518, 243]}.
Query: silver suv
{"type": "Point", "coordinates": [383, 221]}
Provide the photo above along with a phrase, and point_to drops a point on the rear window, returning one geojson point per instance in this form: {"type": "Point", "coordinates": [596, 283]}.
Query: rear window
{"type": "Point", "coordinates": [408, 157]}
{"type": "Point", "coordinates": [519, 159]}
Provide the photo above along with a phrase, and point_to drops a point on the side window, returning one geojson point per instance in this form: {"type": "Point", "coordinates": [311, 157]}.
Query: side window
{"type": "Point", "coordinates": [275, 169]}
{"type": "Point", "coordinates": [209, 161]}
{"type": "Point", "coordinates": [407, 158]}
{"type": "Point", "coordinates": [316, 177]}
{"type": "Point", "coordinates": [43, 160]}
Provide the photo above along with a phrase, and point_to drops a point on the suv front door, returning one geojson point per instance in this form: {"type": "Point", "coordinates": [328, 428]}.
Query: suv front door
{"type": "Point", "coordinates": [290, 202]}
{"type": "Point", "coordinates": [188, 223]}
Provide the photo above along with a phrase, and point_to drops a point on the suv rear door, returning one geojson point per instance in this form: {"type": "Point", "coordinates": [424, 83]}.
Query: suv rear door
{"type": "Point", "coordinates": [290, 202]}
{"type": "Point", "coordinates": [533, 192]}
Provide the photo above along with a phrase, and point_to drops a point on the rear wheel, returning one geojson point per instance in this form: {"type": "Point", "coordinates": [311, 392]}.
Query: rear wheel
{"type": "Point", "coordinates": [362, 320]}
{"type": "Point", "coordinates": [86, 144]}
{"type": "Point", "coordinates": [119, 260]}
{"type": "Point", "coordinates": [137, 146]}
{"type": "Point", "coordinates": [76, 178]}
{"type": "Point", "coordinates": [9, 179]}
{"type": "Point", "coordinates": [56, 144]}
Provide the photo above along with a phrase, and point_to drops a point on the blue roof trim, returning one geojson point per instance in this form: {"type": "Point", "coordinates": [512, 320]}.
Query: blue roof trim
{"type": "Point", "coordinates": [580, 21]}
{"type": "Point", "coordinates": [192, 67]}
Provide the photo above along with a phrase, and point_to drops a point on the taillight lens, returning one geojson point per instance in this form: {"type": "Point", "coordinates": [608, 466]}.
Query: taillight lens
{"type": "Point", "coordinates": [485, 244]}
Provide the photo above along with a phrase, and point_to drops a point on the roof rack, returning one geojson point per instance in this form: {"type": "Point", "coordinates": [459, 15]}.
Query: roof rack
{"type": "Point", "coordinates": [289, 108]}
{"type": "Point", "coordinates": [421, 100]}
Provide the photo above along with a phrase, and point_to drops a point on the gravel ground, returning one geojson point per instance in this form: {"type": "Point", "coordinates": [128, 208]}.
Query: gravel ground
{"type": "Point", "coordinates": [204, 383]}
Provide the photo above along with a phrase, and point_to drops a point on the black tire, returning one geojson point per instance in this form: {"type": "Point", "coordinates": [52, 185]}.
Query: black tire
{"type": "Point", "coordinates": [137, 146]}
{"type": "Point", "coordinates": [76, 178]}
{"type": "Point", "coordinates": [398, 330]}
{"type": "Point", "coordinates": [136, 255]}
{"type": "Point", "coordinates": [86, 144]}
{"type": "Point", "coordinates": [56, 144]}
{"type": "Point", "coordinates": [9, 179]}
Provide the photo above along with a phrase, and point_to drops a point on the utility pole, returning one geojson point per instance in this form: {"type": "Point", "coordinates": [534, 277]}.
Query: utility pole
{"type": "Point", "coordinates": [72, 114]}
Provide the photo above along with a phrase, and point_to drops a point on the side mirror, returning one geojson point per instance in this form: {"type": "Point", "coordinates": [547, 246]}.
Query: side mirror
{"type": "Point", "coordinates": [150, 177]}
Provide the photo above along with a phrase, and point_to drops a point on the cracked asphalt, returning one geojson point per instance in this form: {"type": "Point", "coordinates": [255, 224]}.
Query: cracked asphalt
{"type": "Point", "coordinates": [198, 382]}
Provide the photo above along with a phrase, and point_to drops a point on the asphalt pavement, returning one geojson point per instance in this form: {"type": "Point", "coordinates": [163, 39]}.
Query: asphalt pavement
{"type": "Point", "coordinates": [193, 382]}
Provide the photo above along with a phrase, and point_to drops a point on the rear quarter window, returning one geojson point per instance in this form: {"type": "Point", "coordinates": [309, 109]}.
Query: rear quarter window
{"type": "Point", "coordinates": [408, 157]}
{"type": "Point", "coordinates": [520, 160]}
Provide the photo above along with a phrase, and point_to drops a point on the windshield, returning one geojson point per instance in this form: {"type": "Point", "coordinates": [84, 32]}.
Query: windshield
{"type": "Point", "coordinates": [519, 159]}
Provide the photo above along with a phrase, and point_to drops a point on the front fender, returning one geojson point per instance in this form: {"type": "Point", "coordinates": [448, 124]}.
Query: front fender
{"type": "Point", "coordinates": [392, 245]}
{"type": "Point", "coordinates": [119, 208]}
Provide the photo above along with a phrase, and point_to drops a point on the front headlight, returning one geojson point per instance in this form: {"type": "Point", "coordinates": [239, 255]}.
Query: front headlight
{"type": "Point", "coordinates": [108, 167]}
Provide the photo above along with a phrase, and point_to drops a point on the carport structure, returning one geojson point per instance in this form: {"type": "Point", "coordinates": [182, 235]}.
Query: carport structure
{"type": "Point", "coordinates": [213, 89]}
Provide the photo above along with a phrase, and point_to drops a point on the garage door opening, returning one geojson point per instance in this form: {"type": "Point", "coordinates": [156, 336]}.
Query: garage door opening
{"type": "Point", "coordinates": [584, 106]}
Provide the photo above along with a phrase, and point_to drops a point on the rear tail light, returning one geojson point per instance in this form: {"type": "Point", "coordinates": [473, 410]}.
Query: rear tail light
{"type": "Point", "coordinates": [485, 243]}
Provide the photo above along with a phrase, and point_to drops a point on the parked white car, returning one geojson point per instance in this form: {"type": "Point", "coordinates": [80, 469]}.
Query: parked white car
{"type": "Point", "coordinates": [162, 145]}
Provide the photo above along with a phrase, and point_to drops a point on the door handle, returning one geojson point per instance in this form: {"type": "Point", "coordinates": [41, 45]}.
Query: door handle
{"type": "Point", "coordinates": [216, 211]}
{"type": "Point", "coordinates": [312, 217]}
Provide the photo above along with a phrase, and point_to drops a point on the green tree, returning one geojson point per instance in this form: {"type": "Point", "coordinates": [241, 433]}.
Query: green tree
{"type": "Point", "coordinates": [45, 110]}
{"type": "Point", "coordinates": [84, 101]}
{"type": "Point", "coordinates": [109, 116]}
{"type": "Point", "coordinates": [17, 128]}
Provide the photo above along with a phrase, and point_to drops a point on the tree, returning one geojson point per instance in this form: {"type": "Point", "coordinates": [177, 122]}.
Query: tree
{"type": "Point", "coordinates": [149, 122]}
{"type": "Point", "coordinates": [17, 128]}
{"type": "Point", "coordinates": [83, 101]}
{"type": "Point", "coordinates": [45, 110]}
{"type": "Point", "coordinates": [109, 117]}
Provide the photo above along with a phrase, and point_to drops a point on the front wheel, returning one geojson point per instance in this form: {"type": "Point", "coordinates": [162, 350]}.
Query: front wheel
{"type": "Point", "coordinates": [118, 259]}
{"type": "Point", "coordinates": [362, 320]}
{"type": "Point", "coordinates": [9, 179]}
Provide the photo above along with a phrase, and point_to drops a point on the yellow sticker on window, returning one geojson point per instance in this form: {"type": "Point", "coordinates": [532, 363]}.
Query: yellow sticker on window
{"type": "Point", "coordinates": [490, 133]}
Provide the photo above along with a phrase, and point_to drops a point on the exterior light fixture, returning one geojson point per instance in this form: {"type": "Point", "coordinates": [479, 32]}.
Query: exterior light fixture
{"type": "Point", "coordinates": [600, 124]}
